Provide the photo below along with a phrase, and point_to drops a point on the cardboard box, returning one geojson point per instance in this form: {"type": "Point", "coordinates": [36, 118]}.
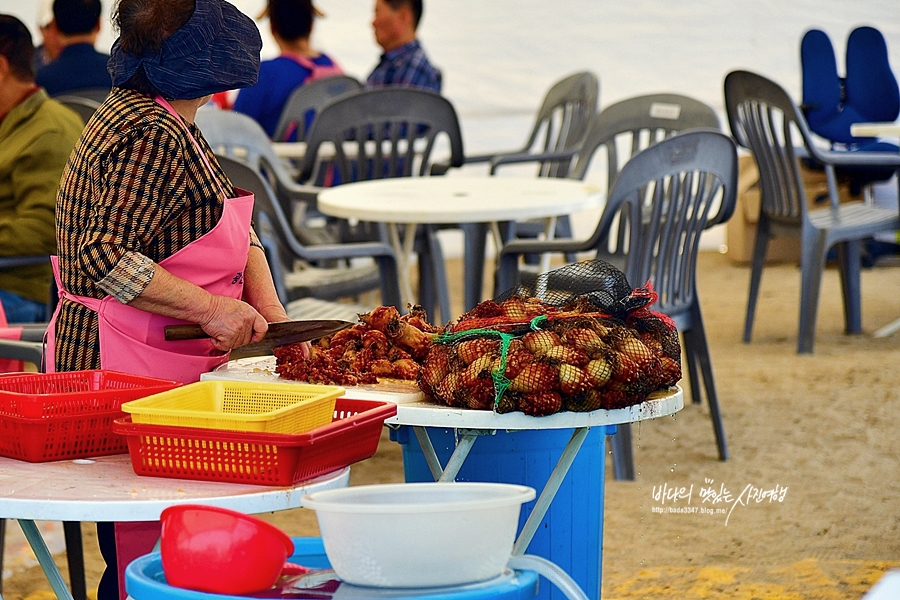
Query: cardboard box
{"type": "Point", "coordinates": [740, 231]}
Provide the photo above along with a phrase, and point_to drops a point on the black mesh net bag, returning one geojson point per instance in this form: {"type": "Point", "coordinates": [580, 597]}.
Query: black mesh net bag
{"type": "Point", "coordinates": [579, 338]}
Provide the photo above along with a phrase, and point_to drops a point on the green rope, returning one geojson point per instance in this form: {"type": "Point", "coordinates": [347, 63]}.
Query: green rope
{"type": "Point", "coordinates": [501, 382]}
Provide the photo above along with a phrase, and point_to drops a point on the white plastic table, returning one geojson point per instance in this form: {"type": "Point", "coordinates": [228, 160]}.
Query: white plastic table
{"type": "Point", "coordinates": [885, 129]}
{"type": "Point", "coordinates": [470, 424]}
{"type": "Point", "coordinates": [413, 201]}
{"type": "Point", "coordinates": [107, 489]}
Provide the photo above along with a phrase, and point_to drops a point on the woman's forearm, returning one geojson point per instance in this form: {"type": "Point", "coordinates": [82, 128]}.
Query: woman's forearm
{"type": "Point", "coordinates": [259, 289]}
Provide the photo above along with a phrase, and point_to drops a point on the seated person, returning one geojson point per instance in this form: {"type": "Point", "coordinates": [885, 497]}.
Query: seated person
{"type": "Point", "coordinates": [79, 65]}
{"type": "Point", "coordinates": [291, 22]}
{"type": "Point", "coordinates": [49, 48]}
{"type": "Point", "coordinates": [404, 61]}
{"type": "Point", "coordinates": [37, 135]}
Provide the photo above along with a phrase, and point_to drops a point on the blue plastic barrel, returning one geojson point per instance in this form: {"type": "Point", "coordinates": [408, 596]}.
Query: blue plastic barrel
{"type": "Point", "coordinates": [145, 580]}
{"type": "Point", "coordinates": [571, 533]}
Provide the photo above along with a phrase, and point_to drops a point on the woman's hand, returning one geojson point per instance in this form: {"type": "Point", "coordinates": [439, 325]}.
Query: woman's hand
{"type": "Point", "coordinates": [232, 323]}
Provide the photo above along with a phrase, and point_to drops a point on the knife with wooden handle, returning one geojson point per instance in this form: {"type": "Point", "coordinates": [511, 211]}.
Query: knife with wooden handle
{"type": "Point", "coordinates": [278, 334]}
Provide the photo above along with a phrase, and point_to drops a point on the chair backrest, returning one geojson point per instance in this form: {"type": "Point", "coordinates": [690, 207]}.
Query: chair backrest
{"type": "Point", "coordinates": [675, 189]}
{"type": "Point", "coordinates": [391, 130]}
{"type": "Point", "coordinates": [85, 107]}
{"type": "Point", "coordinates": [236, 135]}
{"type": "Point", "coordinates": [870, 85]}
{"type": "Point", "coordinates": [563, 117]}
{"type": "Point", "coordinates": [626, 128]}
{"type": "Point", "coordinates": [764, 119]}
{"type": "Point", "coordinates": [634, 124]}
{"type": "Point", "coordinates": [822, 85]}
{"type": "Point", "coordinates": [867, 92]}
{"type": "Point", "coordinates": [304, 102]}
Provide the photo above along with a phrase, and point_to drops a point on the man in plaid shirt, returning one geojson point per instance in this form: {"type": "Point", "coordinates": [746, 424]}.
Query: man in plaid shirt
{"type": "Point", "coordinates": [404, 61]}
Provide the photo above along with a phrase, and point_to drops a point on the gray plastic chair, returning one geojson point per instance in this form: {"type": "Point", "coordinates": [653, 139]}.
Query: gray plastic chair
{"type": "Point", "coordinates": [236, 135]}
{"type": "Point", "coordinates": [310, 98]}
{"type": "Point", "coordinates": [283, 249]}
{"type": "Point", "coordinates": [559, 126]}
{"type": "Point", "coordinates": [764, 119]}
{"type": "Point", "coordinates": [676, 189]}
{"type": "Point", "coordinates": [390, 132]}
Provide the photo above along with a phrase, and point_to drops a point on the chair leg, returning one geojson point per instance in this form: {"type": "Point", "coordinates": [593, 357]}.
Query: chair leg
{"type": "Point", "coordinates": [812, 264]}
{"type": "Point", "coordinates": [473, 262]}
{"type": "Point", "coordinates": [849, 257]}
{"type": "Point", "coordinates": [622, 453]}
{"type": "Point", "coordinates": [75, 559]}
{"type": "Point", "coordinates": [759, 259]}
{"type": "Point", "coordinates": [433, 275]}
{"type": "Point", "coordinates": [696, 338]}
{"type": "Point", "coordinates": [690, 355]}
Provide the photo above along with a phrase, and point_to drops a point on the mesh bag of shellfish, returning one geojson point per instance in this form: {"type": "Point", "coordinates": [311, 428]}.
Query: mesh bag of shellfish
{"type": "Point", "coordinates": [579, 339]}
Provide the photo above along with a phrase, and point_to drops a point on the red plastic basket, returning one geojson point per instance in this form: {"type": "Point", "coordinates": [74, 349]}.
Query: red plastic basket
{"type": "Point", "coordinates": [61, 438]}
{"type": "Point", "coordinates": [42, 395]}
{"type": "Point", "coordinates": [63, 416]}
{"type": "Point", "coordinates": [257, 458]}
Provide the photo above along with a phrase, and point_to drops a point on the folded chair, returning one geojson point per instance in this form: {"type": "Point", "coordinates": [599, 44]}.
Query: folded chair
{"type": "Point", "coordinates": [675, 190]}
{"type": "Point", "coordinates": [764, 119]}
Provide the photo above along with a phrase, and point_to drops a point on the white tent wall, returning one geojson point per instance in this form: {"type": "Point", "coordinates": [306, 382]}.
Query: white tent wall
{"type": "Point", "coordinates": [498, 57]}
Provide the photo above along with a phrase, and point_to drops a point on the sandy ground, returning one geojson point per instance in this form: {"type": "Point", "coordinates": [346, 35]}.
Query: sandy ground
{"type": "Point", "coordinates": [818, 433]}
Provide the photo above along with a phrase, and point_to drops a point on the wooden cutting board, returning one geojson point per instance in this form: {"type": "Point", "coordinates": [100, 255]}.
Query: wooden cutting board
{"type": "Point", "coordinates": [262, 368]}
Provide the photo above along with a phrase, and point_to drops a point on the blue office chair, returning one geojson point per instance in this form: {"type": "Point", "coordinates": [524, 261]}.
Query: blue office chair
{"type": "Point", "coordinates": [832, 104]}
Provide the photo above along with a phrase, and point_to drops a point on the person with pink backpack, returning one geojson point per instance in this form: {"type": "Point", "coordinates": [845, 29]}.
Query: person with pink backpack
{"type": "Point", "coordinates": [291, 22]}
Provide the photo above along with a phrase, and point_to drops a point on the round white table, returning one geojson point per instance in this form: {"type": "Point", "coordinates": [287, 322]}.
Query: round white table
{"type": "Point", "coordinates": [107, 489]}
{"type": "Point", "coordinates": [412, 201]}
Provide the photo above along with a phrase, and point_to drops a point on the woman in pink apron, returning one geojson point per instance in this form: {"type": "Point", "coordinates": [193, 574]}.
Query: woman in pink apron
{"type": "Point", "coordinates": [150, 231]}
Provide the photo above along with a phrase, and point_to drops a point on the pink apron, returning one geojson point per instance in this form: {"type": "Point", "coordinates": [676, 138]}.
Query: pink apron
{"type": "Point", "coordinates": [131, 340]}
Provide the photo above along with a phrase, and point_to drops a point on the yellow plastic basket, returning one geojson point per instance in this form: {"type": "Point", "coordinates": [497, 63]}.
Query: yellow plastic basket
{"type": "Point", "coordinates": [239, 406]}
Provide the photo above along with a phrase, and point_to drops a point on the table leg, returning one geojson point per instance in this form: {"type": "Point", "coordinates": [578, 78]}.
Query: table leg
{"type": "Point", "coordinates": [457, 458]}
{"type": "Point", "coordinates": [549, 492]}
{"type": "Point", "coordinates": [404, 250]}
{"type": "Point", "coordinates": [45, 559]}
{"type": "Point", "coordinates": [889, 329]}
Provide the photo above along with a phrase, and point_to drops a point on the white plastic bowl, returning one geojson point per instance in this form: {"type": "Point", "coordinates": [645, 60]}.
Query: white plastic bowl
{"type": "Point", "coordinates": [419, 534]}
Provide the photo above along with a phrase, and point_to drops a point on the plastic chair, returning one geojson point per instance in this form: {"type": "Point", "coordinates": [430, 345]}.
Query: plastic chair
{"type": "Point", "coordinates": [764, 119]}
{"type": "Point", "coordinates": [236, 135]}
{"type": "Point", "coordinates": [559, 126]}
{"type": "Point", "coordinates": [283, 249]}
{"type": "Point", "coordinates": [624, 129]}
{"type": "Point", "coordinates": [675, 189]}
{"type": "Point", "coordinates": [96, 94]}
{"type": "Point", "coordinates": [390, 132]}
{"type": "Point", "coordinates": [305, 102]}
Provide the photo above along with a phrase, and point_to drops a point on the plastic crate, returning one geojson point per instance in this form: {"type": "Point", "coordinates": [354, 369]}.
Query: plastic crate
{"type": "Point", "coordinates": [81, 435]}
{"type": "Point", "coordinates": [239, 406]}
{"type": "Point", "coordinates": [257, 458]}
{"type": "Point", "coordinates": [43, 395]}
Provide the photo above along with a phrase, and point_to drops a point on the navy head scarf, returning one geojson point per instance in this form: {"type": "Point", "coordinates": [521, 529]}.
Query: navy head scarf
{"type": "Point", "coordinates": [216, 50]}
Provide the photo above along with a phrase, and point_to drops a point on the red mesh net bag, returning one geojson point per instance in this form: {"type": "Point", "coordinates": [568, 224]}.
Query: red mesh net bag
{"type": "Point", "coordinates": [579, 338]}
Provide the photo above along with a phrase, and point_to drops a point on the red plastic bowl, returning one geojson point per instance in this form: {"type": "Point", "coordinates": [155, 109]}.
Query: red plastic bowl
{"type": "Point", "coordinates": [211, 549]}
